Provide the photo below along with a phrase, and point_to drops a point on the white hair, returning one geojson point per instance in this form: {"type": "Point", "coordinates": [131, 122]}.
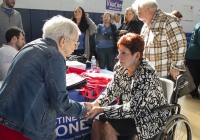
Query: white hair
{"type": "Point", "coordinates": [145, 3]}
{"type": "Point", "coordinates": [59, 26]}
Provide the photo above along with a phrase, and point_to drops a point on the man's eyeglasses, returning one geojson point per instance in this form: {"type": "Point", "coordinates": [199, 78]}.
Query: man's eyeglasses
{"type": "Point", "coordinates": [76, 44]}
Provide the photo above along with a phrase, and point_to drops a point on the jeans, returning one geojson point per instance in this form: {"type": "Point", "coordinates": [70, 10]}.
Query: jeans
{"type": "Point", "coordinates": [106, 57]}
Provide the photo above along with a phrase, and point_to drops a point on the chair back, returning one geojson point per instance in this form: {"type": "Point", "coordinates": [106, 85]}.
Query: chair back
{"type": "Point", "coordinates": [168, 88]}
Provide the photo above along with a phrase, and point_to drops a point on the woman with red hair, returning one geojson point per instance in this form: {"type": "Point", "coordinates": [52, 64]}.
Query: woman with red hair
{"type": "Point", "coordinates": [139, 90]}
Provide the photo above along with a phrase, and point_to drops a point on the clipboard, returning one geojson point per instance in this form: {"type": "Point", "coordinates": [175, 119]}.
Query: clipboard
{"type": "Point", "coordinates": [74, 81]}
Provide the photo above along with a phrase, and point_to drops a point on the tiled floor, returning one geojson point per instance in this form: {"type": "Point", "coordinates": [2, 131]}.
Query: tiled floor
{"type": "Point", "coordinates": [191, 109]}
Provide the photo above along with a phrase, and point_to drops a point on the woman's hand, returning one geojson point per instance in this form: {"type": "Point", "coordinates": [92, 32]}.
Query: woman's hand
{"type": "Point", "coordinates": [122, 32]}
{"type": "Point", "coordinates": [88, 105]}
{"type": "Point", "coordinates": [93, 112]}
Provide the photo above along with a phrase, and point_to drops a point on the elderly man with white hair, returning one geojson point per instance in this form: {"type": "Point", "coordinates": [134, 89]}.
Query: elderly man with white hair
{"type": "Point", "coordinates": [165, 41]}
{"type": "Point", "coordinates": [34, 90]}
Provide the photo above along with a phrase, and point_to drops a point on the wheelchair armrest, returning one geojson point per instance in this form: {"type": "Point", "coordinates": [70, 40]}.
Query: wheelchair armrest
{"type": "Point", "coordinates": [166, 107]}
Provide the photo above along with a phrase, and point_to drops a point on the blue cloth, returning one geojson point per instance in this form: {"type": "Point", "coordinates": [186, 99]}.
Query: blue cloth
{"type": "Point", "coordinates": [81, 39]}
{"type": "Point", "coordinates": [34, 91]}
{"type": "Point", "coordinates": [104, 37]}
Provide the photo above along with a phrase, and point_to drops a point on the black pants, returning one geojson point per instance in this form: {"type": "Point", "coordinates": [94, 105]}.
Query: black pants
{"type": "Point", "coordinates": [125, 127]}
{"type": "Point", "coordinates": [194, 67]}
{"type": "Point", "coordinates": [79, 52]}
{"type": "Point", "coordinates": [106, 57]}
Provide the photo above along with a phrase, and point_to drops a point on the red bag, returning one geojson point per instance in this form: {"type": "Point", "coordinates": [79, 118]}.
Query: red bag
{"type": "Point", "coordinates": [96, 83]}
{"type": "Point", "coordinates": [9, 134]}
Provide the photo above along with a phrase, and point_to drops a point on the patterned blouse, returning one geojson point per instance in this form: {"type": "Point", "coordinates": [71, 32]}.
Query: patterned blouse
{"type": "Point", "coordinates": [141, 92]}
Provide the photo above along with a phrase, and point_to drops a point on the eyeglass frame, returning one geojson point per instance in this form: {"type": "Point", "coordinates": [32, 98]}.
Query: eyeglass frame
{"type": "Point", "coordinates": [76, 43]}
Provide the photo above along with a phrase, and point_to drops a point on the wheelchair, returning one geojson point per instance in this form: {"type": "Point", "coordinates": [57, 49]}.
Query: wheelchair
{"type": "Point", "coordinates": [177, 126]}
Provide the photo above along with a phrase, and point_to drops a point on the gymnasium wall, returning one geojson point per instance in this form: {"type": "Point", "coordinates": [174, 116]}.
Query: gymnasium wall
{"type": "Point", "coordinates": [34, 13]}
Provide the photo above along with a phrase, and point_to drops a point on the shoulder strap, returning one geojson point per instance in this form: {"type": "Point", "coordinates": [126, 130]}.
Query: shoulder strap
{"type": "Point", "coordinates": [113, 28]}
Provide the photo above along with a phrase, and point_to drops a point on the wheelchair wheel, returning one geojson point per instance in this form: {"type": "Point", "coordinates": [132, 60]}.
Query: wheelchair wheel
{"type": "Point", "coordinates": [177, 128]}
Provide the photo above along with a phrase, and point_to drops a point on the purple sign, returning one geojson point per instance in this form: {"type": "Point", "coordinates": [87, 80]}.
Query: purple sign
{"type": "Point", "coordinates": [114, 5]}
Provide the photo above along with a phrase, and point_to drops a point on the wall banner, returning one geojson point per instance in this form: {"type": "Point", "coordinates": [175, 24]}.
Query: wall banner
{"type": "Point", "coordinates": [114, 5]}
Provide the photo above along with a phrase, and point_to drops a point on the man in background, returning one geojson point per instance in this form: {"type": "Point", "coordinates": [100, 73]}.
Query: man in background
{"type": "Point", "coordinates": [193, 59]}
{"type": "Point", "coordinates": [15, 38]}
{"type": "Point", "coordinates": [8, 17]}
{"type": "Point", "coordinates": [165, 41]}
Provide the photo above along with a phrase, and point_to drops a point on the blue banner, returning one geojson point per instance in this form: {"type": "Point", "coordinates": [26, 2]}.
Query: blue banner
{"type": "Point", "coordinates": [71, 128]}
{"type": "Point", "coordinates": [114, 5]}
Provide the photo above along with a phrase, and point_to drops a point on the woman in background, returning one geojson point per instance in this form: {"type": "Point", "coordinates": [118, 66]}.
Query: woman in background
{"type": "Point", "coordinates": [130, 24]}
{"type": "Point", "coordinates": [87, 28]}
{"type": "Point", "coordinates": [137, 86]}
{"type": "Point", "coordinates": [118, 19]}
{"type": "Point", "coordinates": [106, 42]}
{"type": "Point", "coordinates": [193, 59]}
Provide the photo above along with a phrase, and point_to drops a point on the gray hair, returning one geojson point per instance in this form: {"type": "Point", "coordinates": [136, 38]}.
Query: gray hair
{"type": "Point", "coordinates": [59, 26]}
{"type": "Point", "coordinates": [145, 3]}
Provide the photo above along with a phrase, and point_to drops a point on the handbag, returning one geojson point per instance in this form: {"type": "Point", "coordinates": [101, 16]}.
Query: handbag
{"type": "Point", "coordinates": [187, 89]}
{"type": "Point", "coordinates": [189, 84]}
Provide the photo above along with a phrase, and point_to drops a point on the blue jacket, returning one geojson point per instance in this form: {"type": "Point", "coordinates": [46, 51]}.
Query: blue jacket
{"type": "Point", "coordinates": [105, 37]}
{"type": "Point", "coordinates": [34, 91]}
